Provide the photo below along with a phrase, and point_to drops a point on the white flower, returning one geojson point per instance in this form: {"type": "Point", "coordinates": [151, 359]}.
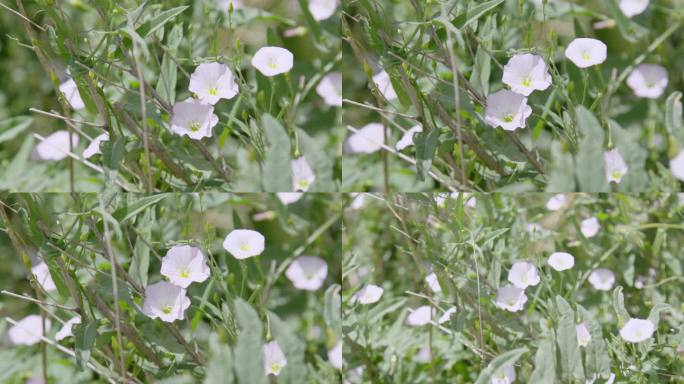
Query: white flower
{"type": "Point", "coordinates": [289, 197]}
{"type": "Point", "coordinates": [510, 298]}
{"type": "Point", "coordinates": [94, 147]}
{"type": "Point", "coordinates": [633, 7]}
{"type": "Point", "coordinates": [590, 227]}
{"type": "Point", "coordinates": [244, 243]}
{"type": "Point", "coordinates": [677, 166]}
{"type": "Point", "coordinates": [212, 82]}
{"type": "Point", "coordinates": [420, 316]}
{"type": "Point", "coordinates": [335, 355]}
{"type": "Point", "coordinates": [560, 261]}
{"type": "Point", "coordinates": [602, 279]}
{"type": "Point", "coordinates": [302, 174]}
{"type": "Point", "coordinates": [583, 335]}
{"type": "Point", "coordinates": [505, 376]}
{"type": "Point", "coordinates": [648, 80]}
{"type": "Point", "coordinates": [423, 355]}
{"type": "Point", "coordinates": [526, 73]}
{"type": "Point", "coordinates": [28, 330]}
{"type": "Point", "coordinates": [70, 91]}
{"type": "Point", "coordinates": [56, 146]}
{"type": "Point", "coordinates": [322, 9]}
{"type": "Point", "coordinates": [359, 199]}
{"type": "Point", "coordinates": [407, 139]}
{"type": "Point", "coordinates": [307, 272]}
{"type": "Point", "coordinates": [637, 330]}
{"type": "Point", "coordinates": [165, 301]}
{"type": "Point", "coordinates": [556, 202]}
{"type": "Point", "coordinates": [523, 275]}
{"type": "Point", "coordinates": [446, 315]}
{"type": "Point", "coordinates": [193, 118]}
{"type": "Point", "coordinates": [66, 331]}
{"type": "Point", "coordinates": [615, 165]}
{"type": "Point", "coordinates": [384, 84]}
{"type": "Point", "coordinates": [507, 109]}
{"type": "Point", "coordinates": [272, 61]}
{"type": "Point", "coordinates": [433, 283]}
{"type": "Point", "coordinates": [274, 359]}
{"type": "Point", "coordinates": [184, 264]}
{"type": "Point", "coordinates": [368, 139]}
{"type": "Point", "coordinates": [330, 89]}
{"type": "Point", "coordinates": [368, 295]}
{"type": "Point", "coordinates": [42, 274]}
{"type": "Point", "coordinates": [225, 4]}
{"type": "Point", "coordinates": [585, 52]}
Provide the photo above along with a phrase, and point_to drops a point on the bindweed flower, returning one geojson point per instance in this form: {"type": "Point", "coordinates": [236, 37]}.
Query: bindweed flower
{"type": "Point", "coordinates": [302, 174]}
{"type": "Point", "coordinates": [244, 243]}
{"type": "Point", "coordinates": [322, 9]}
{"type": "Point", "coordinates": [273, 61]}
{"type": "Point", "coordinates": [56, 146]}
{"type": "Point", "coordinates": [633, 7]}
{"type": "Point", "coordinates": [648, 80]}
{"type": "Point", "coordinates": [556, 202]}
{"type": "Point", "coordinates": [274, 358]}
{"type": "Point", "coordinates": [165, 301]}
{"type": "Point", "coordinates": [368, 139]}
{"type": "Point", "coordinates": [28, 330]}
{"type": "Point", "coordinates": [212, 82]}
{"type": "Point", "coordinates": [330, 89]}
{"type": "Point", "coordinates": [585, 52]}
{"type": "Point", "coordinates": [335, 355]}
{"type": "Point", "coordinates": [523, 275]}
{"type": "Point", "coordinates": [446, 316]}
{"type": "Point", "coordinates": [368, 295]}
{"type": "Point", "coordinates": [583, 335]}
{"type": "Point", "coordinates": [359, 200]}
{"type": "Point", "coordinates": [307, 272]}
{"type": "Point", "coordinates": [94, 147]}
{"type": "Point", "coordinates": [42, 274]}
{"type": "Point", "coordinates": [407, 138]}
{"type": "Point", "coordinates": [505, 375]}
{"type": "Point", "coordinates": [433, 283]}
{"type": "Point", "coordinates": [184, 264]}
{"type": "Point", "coordinates": [510, 298]}
{"type": "Point", "coordinates": [602, 279]}
{"type": "Point", "coordinates": [637, 330]}
{"type": "Point", "coordinates": [526, 73]}
{"type": "Point", "coordinates": [615, 165]}
{"type": "Point", "coordinates": [289, 197]}
{"type": "Point", "coordinates": [384, 84]}
{"type": "Point", "coordinates": [70, 91]}
{"type": "Point", "coordinates": [507, 109]}
{"type": "Point", "coordinates": [677, 166]}
{"type": "Point", "coordinates": [560, 261]}
{"type": "Point", "coordinates": [590, 227]}
{"type": "Point", "coordinates": [420, 316]}
{"type": "Point", "coordinates": [66, 330]}
{"type": "Point", "coordinates": [194, 119]}
{"type": "Point", "coordinates": [225, 5]}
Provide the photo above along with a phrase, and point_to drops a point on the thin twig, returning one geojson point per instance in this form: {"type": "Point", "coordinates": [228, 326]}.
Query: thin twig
{"type": "Point", "coordinates": [31, 299]}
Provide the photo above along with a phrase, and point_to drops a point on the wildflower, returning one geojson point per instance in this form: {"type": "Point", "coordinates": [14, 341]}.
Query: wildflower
{"type": "Point", "coordinates": [289, 197]}
{"type": "Point", "coordinates": [637, 330]}
{"type": "Point", "coordinates": [583, 335]}
{"type": "Point", "coordinates": [556, 202]}
{"type": "Point", "coordinates": [212, 82]}
{"type": "Point", "coordinates": [330, 89]}
{"type": "Point", "coordinates": [184, 264]}
{"type": "Point", "coordinates": [510, 298]}
{"type": "Point", "coordinates": [335, 355]}
{"type": "Point", "coordinates": [28, 330]}
{"type": "Point", "coordinates": [193, 119]}
{"type": "Point", "coordinates": [560, 261]}
{"type": "Point", "coordinates": [56, 146]}
{"type": "Point", "coordinates": [272, 61]}
{"type": "Point", "coordinates": [70, 91]}
{"type": "Point", "coordinates": [42, 275]}
{"type": "Point", "coordinates": [244, 243]}
{"type": "Point", "coordinates": [368, 295]}
{"type": "Point", "coordinates": [384, 84]}
{"type": "Point", "coordinates": [523, 275]}
{"type": "Point", "coordinates": [633, 7]}
{"type": "Point", "coordinates": [585, 52]}
{"type": "Point", "coordinates": [602, 279]}
{"type": "Point", "coordinates": [66, 330]}
{"type": "Point", "coordinates": [94, 147]}
{"type": "Point", "coordinates": [420, 316]}
{"type": "Point", "coordinates": [359, 200]}
{"type": "Point", "coordinates": [677, 166]}
{"type": "Point", "coordinates": [446, 315]}
{"type": "Point", "coordinates": [590, 227]}
{"type": "Point", "coordinates": [368, 139]}
{"type": "Point", "coordinates": [433, 283]}
{"type": "Point", "coordinates": [322, 9]}
{"type": "Point", "coordinates": [274, 359]}
{"type": "Point", "coordinates": [225, 4]}
{"type": "Point", "coordinates": [526, 73]}
{"type": "Point", "coordinates": [302, 174]}
{"type": "Point", "coordinates": [615, 165]}
{"type": "Point", "coordinates": [505, 375]}
{"type": "Point", "coordinates": [648, 80]}
{"type": "Point", "coordinates": [407, 139]}
{"type": "Point", "coordinates": [507, 109]}
{"type": "Point", "coordinates": [307, 272]}
{"type": "Point", "coordinates": [165, 301]}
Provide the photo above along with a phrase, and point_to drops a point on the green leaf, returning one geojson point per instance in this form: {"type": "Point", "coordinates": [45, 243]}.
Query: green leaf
{"type": "Point", "coordinates": [544, 363]}
{"type": "Point", "coordinates": [248, 352]}
{"type": "Point", "coordinates": [561, 173]}
{"type": "Point", "coordinates": [295, 370]}
{"type": "Point", "coordinates": [84, 339]}
{"type": "Point", "coordinates": [474, 13]}
{"type": "Point", "coordinates": [141, 251]}
{"type": "Point", "coordinates": [132, 209]}
{"type": "Point", "coordinates": [500, 362]}
{"type": "Point", "coordinates": [566, 333]}
{"type": "Point", "coordinates": [596, 357]}
{"type": "Point", "coordinates": [619, 306]}
{"type": "Point", "coordinates": [158, 21]}
{"type": "Point", "coordinates": [630, 30]}
{"type": "Point", "coordinates": [673, 116]}
{"type": "Point", "coordinates": [589, 160]}
{"type": "Point", "coordinates": [654, 315]}
{"type": "Point", "coordinates": [277, 171]}
{"type": "Point", "coordinates": [166, 84]}
{"type": "Point", "coordinates": [219, 368]}
{"type": "Point", "coordinates": [426, 143]}
{"type": "Point", "coordinates": [10, 128]}
{"type": "Point", "coordinates": [332, 308]}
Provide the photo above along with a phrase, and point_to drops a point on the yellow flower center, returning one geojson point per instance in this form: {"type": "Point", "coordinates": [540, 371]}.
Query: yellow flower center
{"type": "Point", "coordinates": [527, 82]}
{"type": "Point", "coordinates": [508, 118]}
{"type": "Point", "coordinates": [185, 273]}
{"type": "Point", "coordinates": [586, 55]}
{"type": "Point", "coordinates": [244, 247]}
{"type": "Point", "coordinates": [303, 184]}
{"type": "Point", "coordinates": [166, 309]}
{"type": "Point", "coordinates": [275, 367]}
{"type": "Point", "coordinates": [272, 63]}
{"type": "Point", "coordinates": [195, 126]}
{"type": "Point", "coordinates": [616, 175]}
{"type": "Point", "coordinates": [213, 91]}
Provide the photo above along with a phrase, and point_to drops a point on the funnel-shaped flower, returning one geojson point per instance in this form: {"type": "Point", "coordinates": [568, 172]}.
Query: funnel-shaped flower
{"type": "Point", "coordinates": [510, 298]}
{"type": "Point", "coordinates": [637, 330]}
{"type": "Point", "coordinates": [307, 272]}
{"type": "Point", "coordinates": [42, 274]}
{"type": "Point", "coordinates": [368, 295]}
{"type": "Point", "coordinates": [602, 279]}
{"type": "Point", "coordinates": [70, 91]}
{"type": "Point", "coordinates": [94, 147]}
{"type": "Point", "coordinates": [615, 165]}
{"type": "Point", "coordinates": [165, 301]}
{"type": "Point", "coordinates": [648, 80]}
{"type": "Point", "coordinates": [330, 89]}
{"type": "Point", "coordinates": [273, 61]}
{"type": "Point", "coordinates": [274, 358]}
{"type": "Point", "coordinates": [212, 82]}
{"type": "Point", "coordinates": [302, 174]}
{"type": "Point", "coordinates": [368, 139]}
{"type": "Point", "coordinates": [526, 73]}
{"type": "Point", "coordinates": [184, 264]}
{"type": "Point", "coordinates": [585, 52]}
{"type": "Point", "coordinates": [384, 84]}
{"type": "Point", "coordinates": [244, 243]}
{"type": "Point", "coordinates": [56, 146]}
{"type": "Point", "coordinates": [28, 330]}
{"type": "Point", "coordinates": [66, 330]}
{"type": "Point", "coordinates": [507, 109]}
{"type": "Point", "coordinates": [523, 275]}
{"type": "Point", "coordinates": [193, 119]}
